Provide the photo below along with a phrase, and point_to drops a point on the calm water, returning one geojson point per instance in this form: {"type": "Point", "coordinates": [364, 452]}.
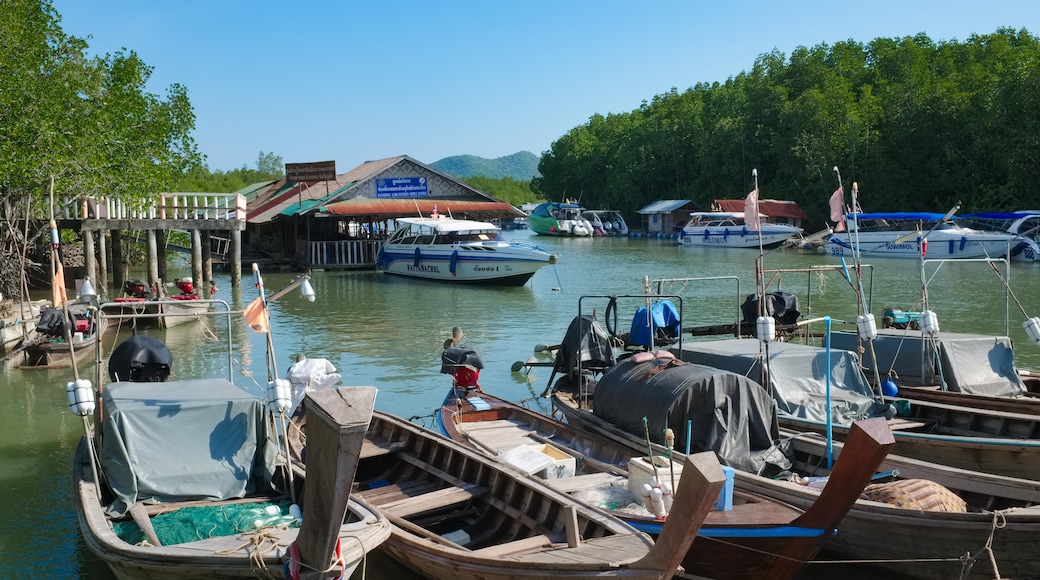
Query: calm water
{"type": "Point", "coordinates": [388, 332]}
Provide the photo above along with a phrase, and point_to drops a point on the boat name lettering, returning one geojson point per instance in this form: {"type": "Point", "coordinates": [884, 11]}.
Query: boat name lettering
{"type": "Point", "coordinates": [424, 268]}
{"type": "Point", "coordinates": [906, 246]}
{"type": "Point", "coordinates": [485, 268]}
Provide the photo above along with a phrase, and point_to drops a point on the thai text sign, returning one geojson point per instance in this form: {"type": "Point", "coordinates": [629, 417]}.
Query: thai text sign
{"type": "Point", "coordinates": [302, 172]}
{"type": "Point", "coordinates": [389, 187]}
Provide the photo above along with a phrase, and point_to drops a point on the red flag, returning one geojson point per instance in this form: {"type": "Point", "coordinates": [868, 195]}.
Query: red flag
{"type": "Point", "coordinates": [256, 316]}
{"type": "Point", "coordinates": [58, 293]}
{"type": "Point", "coordinates": [838, 209]}
{"type": "Point", "coordinates": [751, 210]}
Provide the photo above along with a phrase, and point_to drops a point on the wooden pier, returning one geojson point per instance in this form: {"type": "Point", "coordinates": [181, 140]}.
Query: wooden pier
{"type": "Point", "coordinates": [201, 214]}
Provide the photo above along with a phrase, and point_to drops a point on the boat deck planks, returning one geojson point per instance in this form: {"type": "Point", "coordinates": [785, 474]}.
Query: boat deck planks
{"type": "Point", "coordinates": [586, 481]}
{"type": "Point", "coordinates": [437, 499]}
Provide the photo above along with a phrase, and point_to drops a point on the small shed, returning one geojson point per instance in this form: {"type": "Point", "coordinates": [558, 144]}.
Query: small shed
{"type": "Point", "coordinates": [666, 216]}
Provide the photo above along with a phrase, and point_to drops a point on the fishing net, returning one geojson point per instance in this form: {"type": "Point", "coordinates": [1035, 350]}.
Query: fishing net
{"type": "Point", "coordinates": [190, 524]}
{"type": "Point", "coordinates": [614, 498]}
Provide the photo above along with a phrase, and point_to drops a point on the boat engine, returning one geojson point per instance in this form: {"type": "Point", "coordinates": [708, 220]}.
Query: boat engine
{"type": "Point", "coordinates": [463, 365]}
{"type": "Point", "coordinates": [140, 359]}
{"type": "Point", "coordinates": [135, 289]}
{"type": "Point", "coordinates": [185, 285]}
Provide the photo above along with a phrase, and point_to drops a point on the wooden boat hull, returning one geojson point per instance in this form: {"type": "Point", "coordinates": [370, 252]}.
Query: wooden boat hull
{"type": "Point", "coordinates": [888, 534]}
{"type": "Point", "coordinates": [458, 514]}
{"type": "Point", "coordinates": [221, 557]}
{"type": "Point", "coordinates": [759, 538]}
{"type": "Point", "coordinates": [910, 537]}
{"type": "Point", "coordinates": [177, 312]}
{"type": "Point", "coordinates": [1029, 403]}
{"type": "Point", "coordinates": [1009, 455]}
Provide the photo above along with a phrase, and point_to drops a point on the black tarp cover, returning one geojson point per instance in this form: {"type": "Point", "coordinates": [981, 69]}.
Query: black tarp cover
{"type": "Point", "coordinates": [966, 363]}
{"type": "Point", "coordinates": [140, 358]}
{"type": "Point", "coordinates": [585, 341]}
{"type": "Point", "coordinates": [730, 414]}
{"type": "Point", "coordinates": [454, 357]}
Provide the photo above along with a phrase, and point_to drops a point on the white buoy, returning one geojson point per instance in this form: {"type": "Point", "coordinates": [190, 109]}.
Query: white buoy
{"type": "Point", "coordinates": [645, 492]}
{"type": "Point", "coordinates": [1032, 328]}
{"type": "Point", "coordinates": [867, 326]}
{"type": "Point", "coordinates": [766, 327]}
{"type": "Point", "coordinates": [81, 397]}
{"type": "Point", "coordinates": [279, 396]}
{"type": "Point", "coordinates": [666, 496]}
{"type": "Point", "coordinates": [930, 323]}
{"type": "Point", "coordinates": [657, 502]}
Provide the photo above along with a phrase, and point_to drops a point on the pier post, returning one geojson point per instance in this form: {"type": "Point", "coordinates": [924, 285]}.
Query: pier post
{"type": "Point", "coordinates": [117, 258]}
{"type": "Point", "coordinates": [207, 263]}
{"type": "Point", "coordinates": [102, 281]}
{"type": "Point", "coordinates": [160, 236]}
{"type": "Point", "coordinates": [152, 259]}
{"type": "Point", "coordinates": [89, 257]}
{"type": "Point", "coordinates": [235, 260]}
{"type": "Point", "coordinates": [196, 259]}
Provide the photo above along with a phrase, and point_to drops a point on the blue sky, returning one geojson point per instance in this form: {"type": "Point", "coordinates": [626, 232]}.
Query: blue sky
{"type": "Point", "coordinates": [354, 81]}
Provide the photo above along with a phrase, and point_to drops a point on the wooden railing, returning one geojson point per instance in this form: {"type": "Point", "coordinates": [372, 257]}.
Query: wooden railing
{"type": "Point", "coordinates": [339, 253]}
{"type": "Point", "coordinates": [172, 206]}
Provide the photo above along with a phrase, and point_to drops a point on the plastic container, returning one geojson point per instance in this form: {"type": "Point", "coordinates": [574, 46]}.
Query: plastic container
{"type": "Point", "coordinates": [527, 459]}
{"type": "Point", "coordinates": [563, 465]}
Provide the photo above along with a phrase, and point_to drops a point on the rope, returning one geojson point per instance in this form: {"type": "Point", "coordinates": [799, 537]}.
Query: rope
{"type": "Point", "coordinates": [256, 556]}
{"type": "Point", "coordinates": [999, 522]}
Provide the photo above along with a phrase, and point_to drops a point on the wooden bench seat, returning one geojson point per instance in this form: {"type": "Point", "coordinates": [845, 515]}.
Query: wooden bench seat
{"type": "Point", "coordinates": [531, 544]}
{"type": "Point", "coordinates": [433, 500]}
{"type": "Point", "coordinates": [584, 482]}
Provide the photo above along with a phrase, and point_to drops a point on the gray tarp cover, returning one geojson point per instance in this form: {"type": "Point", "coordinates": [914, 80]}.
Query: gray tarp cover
{"type": "Point", "coordinates": [969, 363]}
{"type": "Point", "coordinates": [183, 440]}
{"type": "Point", "coordinates": [798, 375]}
{"type": "Point", "coordinates": [731, 415]}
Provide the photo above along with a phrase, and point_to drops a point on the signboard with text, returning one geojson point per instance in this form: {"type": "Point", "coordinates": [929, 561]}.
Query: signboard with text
{"type": "Point", "coordinates": [391, 187]}
{"type": "Point", "coordinates": [318, 171]}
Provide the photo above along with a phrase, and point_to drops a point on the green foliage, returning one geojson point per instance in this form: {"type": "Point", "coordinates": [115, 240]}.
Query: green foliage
{"type": "Point", "coordinates": [88, 121]}
{"type": "Point", "coordinates": [919, 124]}
{"type": "Point", "coordinates": [520, 166]}
{"type": "Point", "coordinates": [506, 189]}
{"type": "Point", "coordinates": [269, 167]}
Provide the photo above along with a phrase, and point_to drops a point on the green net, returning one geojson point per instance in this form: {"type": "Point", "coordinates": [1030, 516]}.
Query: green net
{"type": "Point", "coordinates": [190, 524]}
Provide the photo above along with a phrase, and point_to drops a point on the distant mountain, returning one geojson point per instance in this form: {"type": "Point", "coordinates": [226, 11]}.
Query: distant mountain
{"type": "Point", "coordinates": [520, 166]}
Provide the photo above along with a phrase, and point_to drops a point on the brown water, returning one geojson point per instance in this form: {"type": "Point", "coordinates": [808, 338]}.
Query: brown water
{"type": "Point", "coordinates": [388, 332]}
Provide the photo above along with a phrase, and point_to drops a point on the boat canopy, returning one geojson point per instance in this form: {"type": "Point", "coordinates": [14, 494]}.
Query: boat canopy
{"type": "Point", "coordinates": [724, 412]}
{"type": "Point", "coordinates": [448, 225]}
{"type": "Point", "coordinates": [966, 363]}
{"type": "Point", "coordinates": [901, 215]}
{"type": "Point", "coordinates": [214, 432]}
{"type": "Point", "coordinates": [797, 377]}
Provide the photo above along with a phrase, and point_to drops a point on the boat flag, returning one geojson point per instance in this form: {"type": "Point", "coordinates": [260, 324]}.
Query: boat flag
{"type": "Point", "coordinates": [256, 316]}
{"type": "Point", "coordinates": [751, 211]}
{"type": "Point", "coordinates": [837, 209]}
{"type": "Point", "coordinates": [58, 293]}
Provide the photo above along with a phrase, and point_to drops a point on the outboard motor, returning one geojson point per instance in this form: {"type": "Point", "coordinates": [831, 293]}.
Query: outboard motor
{"type": "Point", "coordinates": [185, 285]}
{"type": "Point", "coordinates": [463, 365]}
{"type": "Point", "coordinates": [135, 288]}
{"type": "Point", "coordinates": [140, 359]}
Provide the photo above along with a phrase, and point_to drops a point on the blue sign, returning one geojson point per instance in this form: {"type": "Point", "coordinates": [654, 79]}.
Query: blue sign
{"type": "Point", "coordinates": [391, 187]}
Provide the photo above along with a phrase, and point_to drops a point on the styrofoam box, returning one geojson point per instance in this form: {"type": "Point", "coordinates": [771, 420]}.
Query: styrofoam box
{"type": "Point", "coordinates": [640, 472]}
{"type": "Point", "coordinates": [563, 464]}
{"type": "Point", "coordinates": [527, 459]}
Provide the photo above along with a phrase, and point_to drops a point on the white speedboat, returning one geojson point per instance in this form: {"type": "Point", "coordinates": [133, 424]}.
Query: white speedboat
{"type": "Point", "coordinates": [453, 250]}
{"type": "Point", "coordinates": [1024, 223]}
{"type": "Point", "coordinates": [606, 222]}
{"type": "Point", "coordinates": [911, 234]}
{"type": "Point", "coordinates": [725, 229]}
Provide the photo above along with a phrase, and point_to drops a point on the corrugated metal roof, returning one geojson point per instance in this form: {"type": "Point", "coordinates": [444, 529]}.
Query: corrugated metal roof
{"type": "Point", "coordinates": [389, 208]}
{"type": "Point", "coordinates": [664, 206]}
{"type": "Point", "coordinates": [769, 207]}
